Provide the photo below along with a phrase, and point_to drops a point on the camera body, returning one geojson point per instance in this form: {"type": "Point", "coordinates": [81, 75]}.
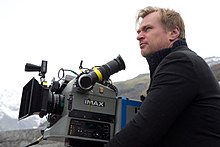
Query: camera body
{"type": "Point", "coordinates": [86, 116]}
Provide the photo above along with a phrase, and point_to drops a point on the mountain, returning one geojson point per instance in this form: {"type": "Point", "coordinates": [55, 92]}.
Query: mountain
{"type": "Point", "coordinates": [133, 88]}
{"type": "Point", "coordinates": [9, 108]}
{"type": "Point", "coordinates": [212, 60]}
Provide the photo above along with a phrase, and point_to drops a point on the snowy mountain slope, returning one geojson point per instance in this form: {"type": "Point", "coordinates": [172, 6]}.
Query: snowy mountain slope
{"type": "Point", "coordinates": [9, 109]}
{"type": "Point", "coordinates": [212, 60]}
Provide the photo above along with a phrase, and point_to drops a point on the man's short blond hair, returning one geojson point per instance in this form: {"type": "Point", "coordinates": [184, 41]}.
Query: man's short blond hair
{"type": "Point", "coordinates": [169, 18]}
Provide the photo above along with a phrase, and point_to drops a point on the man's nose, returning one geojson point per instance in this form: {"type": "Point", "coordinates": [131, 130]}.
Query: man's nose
{"type": "Point", "coordinates": [140, 36]}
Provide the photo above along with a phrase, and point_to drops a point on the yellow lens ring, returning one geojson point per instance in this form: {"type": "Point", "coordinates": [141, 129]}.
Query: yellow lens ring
{"type": "Point", "coordinates": [98, 73]}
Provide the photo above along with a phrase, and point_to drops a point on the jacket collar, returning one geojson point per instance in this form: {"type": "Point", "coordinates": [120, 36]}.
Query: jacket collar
{"type": "Point", "coordinates": [155, 58]}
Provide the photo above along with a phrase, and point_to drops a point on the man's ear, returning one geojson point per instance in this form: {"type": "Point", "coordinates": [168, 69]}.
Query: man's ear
{"type": "Point", "coordinates": [174, 34]}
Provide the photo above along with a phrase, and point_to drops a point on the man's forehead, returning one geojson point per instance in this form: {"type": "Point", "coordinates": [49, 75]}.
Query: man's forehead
{"type": "Point", "coordinates": [144, 23]}
{"type": "Point", "coordinates": [149, 19]}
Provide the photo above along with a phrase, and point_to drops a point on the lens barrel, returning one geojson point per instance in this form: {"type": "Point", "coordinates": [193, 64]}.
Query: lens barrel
{"type": "Point", "coordinates": [55, 103]}
{"type": "Point", "coordinates": [86, 81]}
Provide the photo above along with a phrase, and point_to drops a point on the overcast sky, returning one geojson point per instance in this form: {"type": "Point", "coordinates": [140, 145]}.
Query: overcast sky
{"type": "Point", "coordinates": [95, 31]}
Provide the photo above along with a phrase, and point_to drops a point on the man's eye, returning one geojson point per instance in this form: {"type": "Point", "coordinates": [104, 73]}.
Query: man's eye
{"type": "Point", "coordinates": [146, 29]}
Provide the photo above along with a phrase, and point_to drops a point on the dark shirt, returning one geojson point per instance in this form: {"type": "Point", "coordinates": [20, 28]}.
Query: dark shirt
{"type": "Point", "coordinates": [182, 107]}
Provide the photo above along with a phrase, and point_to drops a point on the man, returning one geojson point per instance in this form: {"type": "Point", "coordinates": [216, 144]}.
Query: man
{"type": "Point", "coordinates": [182, 107]}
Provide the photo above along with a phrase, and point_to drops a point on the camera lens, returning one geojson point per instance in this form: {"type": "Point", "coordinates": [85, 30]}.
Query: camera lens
{"type": "Point", "coordinates": [55, 103]}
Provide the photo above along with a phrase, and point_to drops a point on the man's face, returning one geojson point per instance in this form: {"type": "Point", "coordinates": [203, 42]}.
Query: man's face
{"type": "Point", "coordinates": [152, 36]}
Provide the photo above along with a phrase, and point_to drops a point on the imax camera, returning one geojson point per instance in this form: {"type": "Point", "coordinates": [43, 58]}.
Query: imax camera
{"type": "Point", "coordinates": [81, 110]}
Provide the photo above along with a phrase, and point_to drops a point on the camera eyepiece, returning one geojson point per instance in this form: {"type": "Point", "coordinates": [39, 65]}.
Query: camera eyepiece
{"type": "Point", "coordinates": [87, 80]}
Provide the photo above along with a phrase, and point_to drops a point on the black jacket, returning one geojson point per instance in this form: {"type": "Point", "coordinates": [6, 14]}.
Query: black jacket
{"type": "Point", "coordinates": [182, 107]}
